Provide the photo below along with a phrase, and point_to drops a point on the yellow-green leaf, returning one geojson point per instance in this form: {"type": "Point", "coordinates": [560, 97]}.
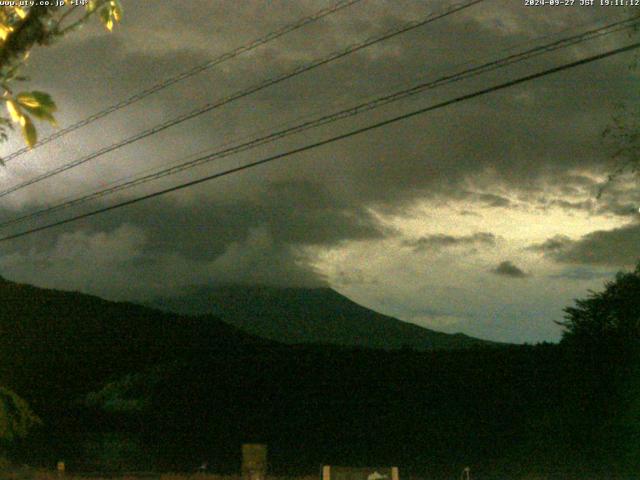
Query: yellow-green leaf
{"type": "Point", "coordinates": [45, 100]}
{"type": "Point", "coordinates": [110, 13]}
{"type": "Point", "coordinates": [29, 132]}
{"type": "Point", "coordinates": [14, 111]}
{"type": "Point", "coordinates": [42, 114]}
{"type": "Point", "coordinates": [37, 99]}
{"type": "Point", "coordinates": [20, 12]}
{"type": "Point", "coordinates": [105, 17]}
{"type": "Point", "coordinates": [116, 10]}
{"type": "Point", "coordinates": [27, 100]}
{"type": "Point", "coordinates": [5, 30]}
{"type": "Point", "coordinates": [92, 5]}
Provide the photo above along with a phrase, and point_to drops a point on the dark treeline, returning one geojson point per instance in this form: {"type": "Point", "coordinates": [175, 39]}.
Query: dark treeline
{"type": "Point", "coordinates": [155, 391]}
{"type": "Point", "coordinates": [544, 409]}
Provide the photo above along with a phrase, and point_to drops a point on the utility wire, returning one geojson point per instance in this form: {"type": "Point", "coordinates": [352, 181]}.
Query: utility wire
{"type": "Point", "coordinates": [370, 105]}
{"type": "Point", "coordinates": [333, 139]}
{"type": "Point", "coordinates": [188, 74]}
{"type": "Point", "coordinates": [243, 93]}
{"type": "Point", "coordinates": [404, 83]}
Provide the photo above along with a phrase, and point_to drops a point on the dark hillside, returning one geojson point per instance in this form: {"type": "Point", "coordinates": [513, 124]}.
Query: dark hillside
{"type": "Point", "coordinates": [119, 386]}
{"type": "Point", "coordinates": [311, 315]}
{"type": "Point", "coordinates": [56, 344]}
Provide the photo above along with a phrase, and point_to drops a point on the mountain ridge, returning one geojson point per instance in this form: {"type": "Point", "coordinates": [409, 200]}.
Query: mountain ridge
{"type": "Point", "coordinates": [295, 315]}
{"type": "Point", "coordinates": [60, 343]}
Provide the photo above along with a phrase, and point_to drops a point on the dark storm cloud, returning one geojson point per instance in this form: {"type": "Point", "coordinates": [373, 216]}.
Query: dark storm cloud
{"type": "Point", "coordinates": [253, 240]}
{"type": "Point", "coordinates": [491, 200]}
{"type": "Point", "coordinates": [355, 277]}
{"type": "Point", "coordinates": [299, 213]}
{"type": "Point", "coordinates": [620, 196]}
{"type": "Point", "coordinates": [619, 247]}
{"type": "Point", "coordinates": [255, 225]}
{"type": "Point", "coordinates": [443, 241]}
{"type": "Point", "coordinates": [571, 183]}
{"type": "Point", "coordinates": [583, 273]}
{"type": "Point", "coordinates": [586, 205]}
{"type": "Point", "coordinates": [508, 269]}
{"type": "Point", "coordinates": [447, 151]}
{"type": "Point", "coordinates": [469, 213]}
{"type": "Point", "coordinates": [483, 199]}
{"type": "Point", "coordinates": [553, 244]}
{"type": "Point", "coordinates": [598, 198]}
{"type": "Point", "coordinates": [620, 207]}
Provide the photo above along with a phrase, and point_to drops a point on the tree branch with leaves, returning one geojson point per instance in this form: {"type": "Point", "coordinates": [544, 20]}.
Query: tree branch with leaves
{"type": "Point", "coordinates": [22, 29]}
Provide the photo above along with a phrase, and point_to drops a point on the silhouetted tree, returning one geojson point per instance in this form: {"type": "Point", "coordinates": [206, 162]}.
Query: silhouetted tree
{"type": "Point", "coordinates": [602, 333]}
{"type": "Point", "coordinates": [613, 314]}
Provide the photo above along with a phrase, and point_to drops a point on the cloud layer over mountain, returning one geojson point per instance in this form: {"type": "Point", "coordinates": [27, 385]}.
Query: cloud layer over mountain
{"type": "Point", "coordinates": [406, 219]}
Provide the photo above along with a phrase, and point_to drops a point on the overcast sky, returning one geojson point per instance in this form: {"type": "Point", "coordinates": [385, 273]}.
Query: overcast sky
{"type": "Point", "coordinates": [481, 217]}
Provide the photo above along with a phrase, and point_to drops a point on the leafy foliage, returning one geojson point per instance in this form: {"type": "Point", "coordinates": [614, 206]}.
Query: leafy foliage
{"type": "Point", "coordinates": [602, 336]}
{"type": "Point", "coordinates": [21, 29]}
{"type": "Point", "coordinates": [16, 418]}
{"type": "Point", "coordinates": [611, 314]}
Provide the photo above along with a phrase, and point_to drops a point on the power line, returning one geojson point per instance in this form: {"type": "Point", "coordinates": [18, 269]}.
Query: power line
{"type": "Point", "coordinates": [188, 74]}
{"type": "Point", "coordinates": [243, 93]}
{"type": "Point", "coordinates": [63, 203]}
{"type": "Point", "coordinates": [342, 114]}
{"type": "Point", "coordinates": [333, 139]}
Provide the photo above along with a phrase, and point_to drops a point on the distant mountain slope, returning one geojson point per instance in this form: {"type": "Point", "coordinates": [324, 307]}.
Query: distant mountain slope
{"type": "Point", "coordinates": [56, 344]}
{"type": "Point", "coordinates": [317, 315]}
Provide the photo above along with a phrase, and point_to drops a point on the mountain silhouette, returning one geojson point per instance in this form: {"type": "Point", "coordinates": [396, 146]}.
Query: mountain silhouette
{"type": "Point", "coordinates": [58, 344]}
{"type": "Point", "coordinates": [310, 315]}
